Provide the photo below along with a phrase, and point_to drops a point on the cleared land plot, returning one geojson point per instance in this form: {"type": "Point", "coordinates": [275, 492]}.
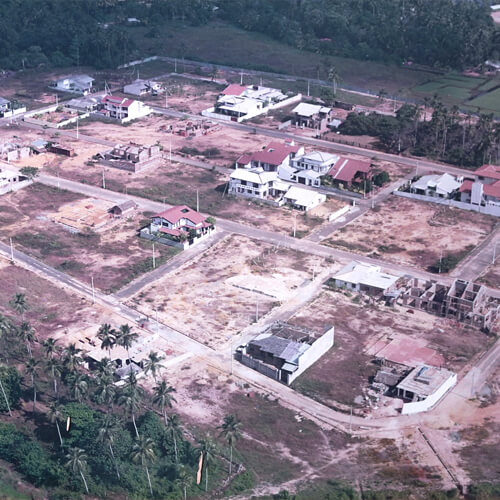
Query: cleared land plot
{"type": "Point", "coordinates": [413, 232]}
{"type": "Point", "coordinates": [491, 277]}
{"type": "Point", "coordinates": [342, 373]}
{"type": "Point", "coordinates": [219, 293]}
{"type": "Point", "coordinates": [113, 257]}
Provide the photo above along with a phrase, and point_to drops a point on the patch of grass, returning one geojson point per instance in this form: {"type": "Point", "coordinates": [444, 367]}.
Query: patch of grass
{"type": "Point", "coordinates": [458, 93]}
{"type": "Point", "coordinates": [487, 102]}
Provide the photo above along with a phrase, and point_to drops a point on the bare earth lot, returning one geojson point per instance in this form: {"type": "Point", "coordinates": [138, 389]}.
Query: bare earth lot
{"type": "Point", "coordinates": [112, 256]}
{"type": "Point", "coordinates": [219, 293]}
{"type": "Point", "coordinates": [412, 232]}
{"type": "Point", "coordinates": [340, 375]}
{"type": "Point", "coordinates": [491, 277]}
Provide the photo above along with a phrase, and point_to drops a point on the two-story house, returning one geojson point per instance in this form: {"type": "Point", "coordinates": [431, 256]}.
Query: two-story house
{"type": "Point", "coordinates": [256, 183]}
{"type": "Point", "coordinates": [122, 108]}
{"type": "Point", "coordinates": [180, 219]}
{"type": "Point", "coordinates": [272, 157]}
{"type": "Point", "coordinates": [309, 168]}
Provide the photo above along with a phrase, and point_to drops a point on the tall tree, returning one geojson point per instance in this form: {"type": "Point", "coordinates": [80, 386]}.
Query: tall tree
{"type": "Point", "coordinates": [206, 447]}
{"type": "Point", "coordinates": [174, 431]}
{"type": "Point", "coordinates": [131, 398]}
{"type": "Point", "coordinates": [54, 367]}
{"type": "Point", "coordinates": [76, 461]}
{"type": "Point", "coordinates": [27, 334]}
{"type": "Point", "coordinates": [184, 481]}
{"type": "Point", "coordinates": [105, 392]}
{"type": "Point", "coordinates": [107, 431]}
{"type": "Point", "coordinates": [79, 386]}
{"type": "Point", "coordinates": [230, 431]}
{"type": "Point", "coordinates": [107, 335]}
{"type": "Point", "coordinates": [72, 358]}
{"type": "Point", "coordinates": [126, 338]}
{"type": "Point", "coordinates": [153, 364]}
{"type": "Point", "coordinates": [3, 391]}
{"type": "Point", "coordinates": [143, 453]}
{"type": "Point", "coordinates": [32, 370]}
{"type": "Point", "coordinates": [19, 304]}
{"type": "Point", "coordinates": [163, 398]}
{"type": "Point", "coordinates": [50, 347]}
{"type": "Point", "coordinates": [55, 415]}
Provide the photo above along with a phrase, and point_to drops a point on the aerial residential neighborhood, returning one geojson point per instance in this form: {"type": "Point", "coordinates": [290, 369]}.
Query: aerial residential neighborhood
{"type": "Point", "coordinates": [249, 250]}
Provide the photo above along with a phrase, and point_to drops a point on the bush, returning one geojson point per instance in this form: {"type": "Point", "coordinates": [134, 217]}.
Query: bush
{"type": "Point", "coordinates": [11, 382]}
{"type": "Point", "coordinates": [381, 178]}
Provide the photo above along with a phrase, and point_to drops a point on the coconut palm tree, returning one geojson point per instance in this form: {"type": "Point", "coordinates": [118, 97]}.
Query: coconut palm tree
{"type": "Point", "coordinates": [174, 431]}
{"type": "Point", "coordinates": [184, 480]}
{"type": "Point", "coordinates": [126, 338]}
{"type": "Point", "coordinates": [162, 397]}
{"type": "Point", "coordinates": [27, 334]}
{"type": "Point", "coordinates": [76, 461]}
{"type": "Point", "coordinates": [230, 431]}
{"type": "Point", "coordinates": [153, 364]}
{"type": "Point", "coordinates": [206, 447]}
{"type": "Point", "coordinates": [5, 331]}
{"type": "Point", "coordinates": [131, 398]}
{"type": "Point", "coordinates": [105, 392]}
{"type": "Point", "coordinates": [72, 359]}
{"type": "Point", "coordinates": [107, 431]}
{"type": "Point", "coordinates": [142, 453]}
{"type": "Point", "coordinates": [55, 414]}
{"type": "Point", "coordinates": [78, 386]}
{"type": "Point", "coordinates": [105, 366]}
{"type": "Point", "coordinates": [32, 370]}
{"type": "Point", "coordinates": [334, 77]}
{"type": "Point", "coordinates": [54, 366]}
{"type": "Point", "coordinates": [107, 336]}
{"type": "Point", "coordinates": [50, 347]}
{"type": "Point", "coordinates": [19, 304]}
{"type": "Point", "coordinates": [2, 389]}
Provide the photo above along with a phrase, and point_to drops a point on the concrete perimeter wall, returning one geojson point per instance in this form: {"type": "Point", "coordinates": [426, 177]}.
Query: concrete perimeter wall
{"type": "Point", "coordinates": [257, 365]}
{"type": "Point", "coordinates": [488, 209]}
{"type": "Point", "coordinates": [428, 403]}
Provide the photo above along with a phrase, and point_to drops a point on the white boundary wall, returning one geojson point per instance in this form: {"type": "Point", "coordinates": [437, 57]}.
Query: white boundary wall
{"type": "Point", "coordinates": [489, 209]}
{"type": "Point", "coordinates": [430, 401]}
{"type": "Point", "coordinates": [339, 213]}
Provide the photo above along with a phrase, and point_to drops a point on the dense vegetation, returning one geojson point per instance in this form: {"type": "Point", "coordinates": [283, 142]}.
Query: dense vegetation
{"type": "Point", "coordinates": [454, 33]}
{"type": "Point", "coordinates": [447, 137]}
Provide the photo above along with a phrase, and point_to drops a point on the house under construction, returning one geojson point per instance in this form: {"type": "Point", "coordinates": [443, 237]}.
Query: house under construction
{"type": "Point", "coordinates": [463, 301]}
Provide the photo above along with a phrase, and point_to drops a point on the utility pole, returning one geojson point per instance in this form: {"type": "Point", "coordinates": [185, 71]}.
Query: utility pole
{"type": "Point", "coordinates": [440, 261]}
{"type": "Point", "coordinates": [494, 252]}
{"type": "Point", "coordinates": [157, 324]}
{"type": "Point", "coordinates": [170, 148]}
{"type": "Point", "coordinates": [103, 180]}
{"type": "Point", "coordinates": [166, 98]}
{"type": "Point", "coordinates": [93, 290]}
{"type": "Point", "coordinates": [77, 132]}
{"type": "Point", "coordinates": [11, 251]}
{"type": "Point", "coordinates": [257, 309]}
{"type": "Point", "coordinates": [58, 180]}
{"type": "Point", "coordinates": [175, 65]}
{"type": "Point", "coordinates": [154, 260]}
{"type": "Point", "coordinates": [241, 78]}
{"type": "Point", "coordinates": [294, 224]}
{"type": "Point", "coordinates": [308, 88]}
{"type": "Point", "coordinates": [350, 421]}
{"type": "Point", "coordinates": [197, 200]}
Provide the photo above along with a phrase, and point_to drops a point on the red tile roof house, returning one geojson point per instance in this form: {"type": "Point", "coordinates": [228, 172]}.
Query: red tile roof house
{"type": "Point", "coordinates": [484, 189]}
{"type": "Point", "coordinates": [273, 156]}
{"type": "Point", "coordinates": [122, 108]}
{"type": "Point", "coordinates": [346, 171]}
{"type": "Point", "coordinates": [179, 226]}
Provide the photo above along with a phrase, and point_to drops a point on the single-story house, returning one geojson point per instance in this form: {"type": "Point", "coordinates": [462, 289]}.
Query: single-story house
{"type": "Point", "coordinates": [39, 146]}
{"type": "Point", "coordinates": [272, 157]}
{"type": "Point", "coordinates": [440, 186]}
{"type": "Point", "coordinates": [424, 386]}
{"type": "Point", "coordinates": [285, 358]}
{"type": "Point", "coordinates": [4, 106]}
{"type": "Point", "coordinates": [12, 180]}
{"type": "Point", "coordinates": [122, 108]}
{"type": "Point", "coordinates": [478, 193]}
{"type": "Point", "coordinates": [347, 170]}
{"type": "Point", "coordinates": [78, 84]}
{"type": "Point", "coordinates": [86, 104]}
{"type": "Point", "coordinates": [361, 277]}
{"type": "Point", "coordinates": [310, 115]}
{"type": "Point", "coordinates": [124, 209]}
{"type": "Point", "coordinates": [142, 87]}
{"type": "Point", "coordinates": [303, 199]}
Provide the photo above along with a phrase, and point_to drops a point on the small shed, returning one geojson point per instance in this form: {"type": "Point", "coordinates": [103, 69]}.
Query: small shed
{"type": "Point", "coordinates": [127, 208]}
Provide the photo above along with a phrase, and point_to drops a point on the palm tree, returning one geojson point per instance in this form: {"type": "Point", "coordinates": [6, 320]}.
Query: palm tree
{"type": "Point", "coordinates": [79, 386]}
{"type": "Point", "coordinates": [106, 436]}
{"type": "Point", "coordinates": [55, 414]}
{"type": "Point", "coordinates": [77, 463]}
{"type": "Point", "coordinates": [105, 366]}
{"type": "Point", "coordinates": [50, 347]}
{"type": "Point", "coordinates": [153, 363]}
{"type": "Point", "coordinates": [131, 398]}
{"type": "Point", "coordinates": [162, 397]}
{"type": "Point", "coordinates": [142, 452]}
{"type": "Point", "coordinates": [126, 338]}
{"type": "Point", "coordinates": [106, 390]}
{"type": "Point", "coordinates": [5, 330]}
{"type": "Point", "coordinates": [19, 304]}
{"type": "Point", "coordinates": [31, 370]}
{"type": "Point", "coordinates": [174, 430]}
{"type": "Point", "coordinates": [107, 336]}
{"type": "Point", "coordinates": [2, 388]}
{"type": "Point", "coordinates": [27, 334]}
{"type": "Point", "coordinates": [184, 480]}
{"type": "Point", "coordinates": [54, 367]}
{"type": "Point", "coordinates": [230, 431]}
{"type": "Point", "coordinates": [206, 447]}
{"type": "Point", "coordinates": [333, 77]}
{"type": "Point", "coordinates": [72, 358]}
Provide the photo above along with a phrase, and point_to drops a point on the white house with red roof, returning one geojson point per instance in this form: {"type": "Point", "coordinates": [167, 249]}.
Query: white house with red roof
{"type": "Point", "coordinates": [272, 157]}
{"type": "Point", "coordinates": [485, 189]}
{"type": "Point", "coordinates": [179, 226]}
{"type": "Point", "coordinates": [123, 108]}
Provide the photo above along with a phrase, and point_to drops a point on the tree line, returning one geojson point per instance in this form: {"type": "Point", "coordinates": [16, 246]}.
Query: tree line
{"type": "Point", "coordinates": [87, 433]}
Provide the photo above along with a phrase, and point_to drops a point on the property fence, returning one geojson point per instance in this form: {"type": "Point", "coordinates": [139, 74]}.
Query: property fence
{"type": "Point", "coordinates": [488, 209]}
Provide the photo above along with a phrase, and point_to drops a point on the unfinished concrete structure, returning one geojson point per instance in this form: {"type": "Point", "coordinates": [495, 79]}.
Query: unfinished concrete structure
{"type": "Point", "coordinates": [131, 157]}
{"type": "Point", "coordinates": [463, 301]}
{"type": "Point", "coordinates": [284, 351]}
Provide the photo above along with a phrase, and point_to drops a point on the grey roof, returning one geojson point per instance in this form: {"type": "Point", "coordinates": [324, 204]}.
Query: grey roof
{"type": "Point", "coordinates": [4, 101]}
{"type": "Point", "coordinates": [127, 204]}
{"type": "Point", "coordinates": [285, 349]}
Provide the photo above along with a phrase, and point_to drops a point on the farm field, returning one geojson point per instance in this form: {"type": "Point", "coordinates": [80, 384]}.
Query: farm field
{"type": "Point", "coordinates": [239, 280]}
{"type": "Point", "coordinates": [112, 255]}
{"type": "Point", "coordinates": [413, 232]}
{"type": "Point", "coordinates": [488, 102]}
{"type": "Point", "coordinates": [359, 325]}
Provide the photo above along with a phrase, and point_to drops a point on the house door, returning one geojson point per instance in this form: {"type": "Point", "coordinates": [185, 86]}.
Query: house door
{"type": "Point", "coordinates": [302, 180]}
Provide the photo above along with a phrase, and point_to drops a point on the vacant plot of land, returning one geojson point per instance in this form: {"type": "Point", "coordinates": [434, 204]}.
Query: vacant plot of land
{"type": "Point", "coordinates": [491, 277]}
{"type": "Point", "coordinates": [112, 257]}
{"type": "Point", "coordinates": [225, 289]}
{"type": "Point", "coordinates": [413, 232]}
{"type": "Point", "coordinates": [342, 373]}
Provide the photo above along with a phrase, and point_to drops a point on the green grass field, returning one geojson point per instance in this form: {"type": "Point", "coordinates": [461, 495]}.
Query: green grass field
{"type": "Point", "coordinates": [487, 102]}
